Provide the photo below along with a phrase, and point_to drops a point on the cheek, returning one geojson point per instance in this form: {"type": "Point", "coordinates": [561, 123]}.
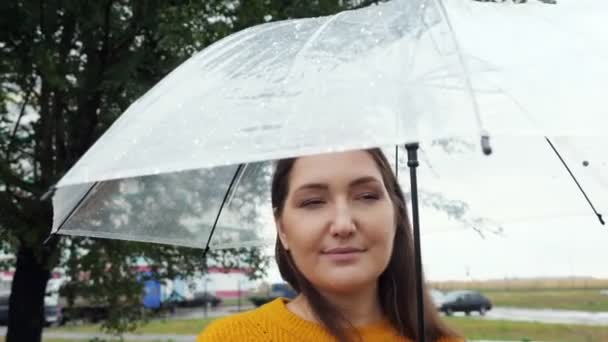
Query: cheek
{"type": "Point", "coordinates": [303, 233]}
{"type": "Point", "coordinates": [380, 227]}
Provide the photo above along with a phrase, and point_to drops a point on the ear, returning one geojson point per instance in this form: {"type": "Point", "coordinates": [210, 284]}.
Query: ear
{"type": "Point", "coordinates": [281, 233]}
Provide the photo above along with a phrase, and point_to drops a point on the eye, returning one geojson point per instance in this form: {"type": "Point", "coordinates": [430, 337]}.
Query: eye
{"type": "Point", "coordinates": [368, 196]}
{"type": "Point", "coordinates": [311, 203]}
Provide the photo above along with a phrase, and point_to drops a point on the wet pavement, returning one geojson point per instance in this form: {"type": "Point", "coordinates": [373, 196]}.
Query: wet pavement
{"type": "Point", "coordinates": [546, 316]}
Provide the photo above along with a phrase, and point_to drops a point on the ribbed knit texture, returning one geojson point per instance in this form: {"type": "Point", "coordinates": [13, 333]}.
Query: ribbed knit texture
{"type": "Point", "coordinates": [274, 322]}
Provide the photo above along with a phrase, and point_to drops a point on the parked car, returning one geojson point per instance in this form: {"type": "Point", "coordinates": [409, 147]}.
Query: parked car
{"type": "Point", "coordinates": [465, 301]}
{"type": "Point", "coordinates": [276, 290]}
{"type": "Point", "coordinates": [438, 297]}
{"type": "Point", "coordinates": [202, 299]}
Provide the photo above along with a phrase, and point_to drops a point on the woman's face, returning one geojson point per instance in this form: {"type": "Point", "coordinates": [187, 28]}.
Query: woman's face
{"type": "Point", "coordinates": [338, 221]}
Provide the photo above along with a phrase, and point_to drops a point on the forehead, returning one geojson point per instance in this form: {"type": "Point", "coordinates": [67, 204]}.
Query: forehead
{"type": "Point", "coordinates": [334, 167]}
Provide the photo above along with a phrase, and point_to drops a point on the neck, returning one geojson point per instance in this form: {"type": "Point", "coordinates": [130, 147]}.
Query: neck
{"type": "Point", "coordinates": [360, 308]}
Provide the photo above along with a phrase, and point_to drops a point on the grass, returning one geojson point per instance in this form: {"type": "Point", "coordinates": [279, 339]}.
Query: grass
{"type": "Point", "coordinates": [585, 300]}
{"type": "Point", "coordinates": [472, 328]}
{"type": "Point", "coordinates": [526, 331]}
{"type": "Point", "coordinates": [525, 284]}
{"type": "Point", "coordinates": [175, 327]}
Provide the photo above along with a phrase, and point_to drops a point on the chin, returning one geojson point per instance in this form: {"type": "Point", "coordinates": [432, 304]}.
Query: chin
{"type": "Point", "coordinates": [347, 281]}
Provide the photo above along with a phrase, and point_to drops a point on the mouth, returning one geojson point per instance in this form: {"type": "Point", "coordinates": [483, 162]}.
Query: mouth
{"type": "Point", "coordinates": [343, 255]}
{"type": "Point", "coordinates": [342, 250]}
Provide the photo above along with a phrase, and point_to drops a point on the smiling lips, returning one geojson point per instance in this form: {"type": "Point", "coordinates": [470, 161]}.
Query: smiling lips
{"type": "Point", "coordinates": [343, 254]}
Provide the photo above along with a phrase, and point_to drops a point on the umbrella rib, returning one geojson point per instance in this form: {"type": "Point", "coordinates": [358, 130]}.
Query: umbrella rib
{"type": "Point", "coordinates": [599, 216]}
{"type": "Point", "coordinates": [71, 213]}
{"type": "Point", "coordinates": [219, 212]}
{"type": "Point", "coordinates": [467, 74]}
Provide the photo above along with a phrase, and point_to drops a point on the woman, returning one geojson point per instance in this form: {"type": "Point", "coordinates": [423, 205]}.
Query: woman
{"type": "Point", "coordinates": [345, 245]}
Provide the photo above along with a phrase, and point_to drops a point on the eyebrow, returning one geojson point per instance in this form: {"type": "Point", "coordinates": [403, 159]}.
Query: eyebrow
{"type": "Point", "coordinates": [323, 186]}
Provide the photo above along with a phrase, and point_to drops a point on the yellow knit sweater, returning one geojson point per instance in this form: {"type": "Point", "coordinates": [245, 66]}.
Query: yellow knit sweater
{"type": "Point", "coordinates": [274, 322]}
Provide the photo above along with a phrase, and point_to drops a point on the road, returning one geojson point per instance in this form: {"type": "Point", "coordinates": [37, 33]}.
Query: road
{"type": "Point", "coordinates": [549, 316]}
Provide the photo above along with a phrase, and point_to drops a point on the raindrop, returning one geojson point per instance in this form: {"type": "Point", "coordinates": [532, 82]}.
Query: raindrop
{"type": "Point", "coordinates": [585, 163]}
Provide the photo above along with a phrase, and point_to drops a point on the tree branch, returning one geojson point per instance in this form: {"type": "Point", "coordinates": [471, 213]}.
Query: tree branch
{"type": "Point", "coordinates": [17, 123]}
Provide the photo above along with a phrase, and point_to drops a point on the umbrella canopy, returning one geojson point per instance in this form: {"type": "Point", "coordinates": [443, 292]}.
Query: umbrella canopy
{"type": "Point", "coordinates": [196, 144]}
{"type": "Point", "coordinates": [376, 76]}
{"type": "Point", "coordinates": [356, 79]}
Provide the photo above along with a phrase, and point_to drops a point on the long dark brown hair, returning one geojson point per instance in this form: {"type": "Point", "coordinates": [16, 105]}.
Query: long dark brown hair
{"type": "Point", "coordinates": [396, 285]}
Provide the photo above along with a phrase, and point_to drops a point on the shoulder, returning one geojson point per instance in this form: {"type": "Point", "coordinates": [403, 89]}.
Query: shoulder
{"type": "Point", "coordinates": [237, 327]}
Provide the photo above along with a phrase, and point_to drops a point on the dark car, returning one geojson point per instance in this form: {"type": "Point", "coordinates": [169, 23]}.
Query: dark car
{"type": "Point", "coordinates": [276, 290]}
{"type": "Point", "coordinates": [202, 299]}
{"type": "Point", "coordinates": [465, 301]}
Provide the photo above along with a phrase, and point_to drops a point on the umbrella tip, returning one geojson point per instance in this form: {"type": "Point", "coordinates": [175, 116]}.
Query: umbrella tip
{"type": "Point", "coordinates": [599, 216]}
{"type": "Point", "coordinates": [485, 144]}
{"type": "Point", "coordinates": [50, 192]}
{"type": "Point", "coordinates": [49, 239]}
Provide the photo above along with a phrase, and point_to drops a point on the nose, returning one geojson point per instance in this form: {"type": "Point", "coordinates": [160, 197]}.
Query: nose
{"type": "Point", "coordinates": [342, 224]}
